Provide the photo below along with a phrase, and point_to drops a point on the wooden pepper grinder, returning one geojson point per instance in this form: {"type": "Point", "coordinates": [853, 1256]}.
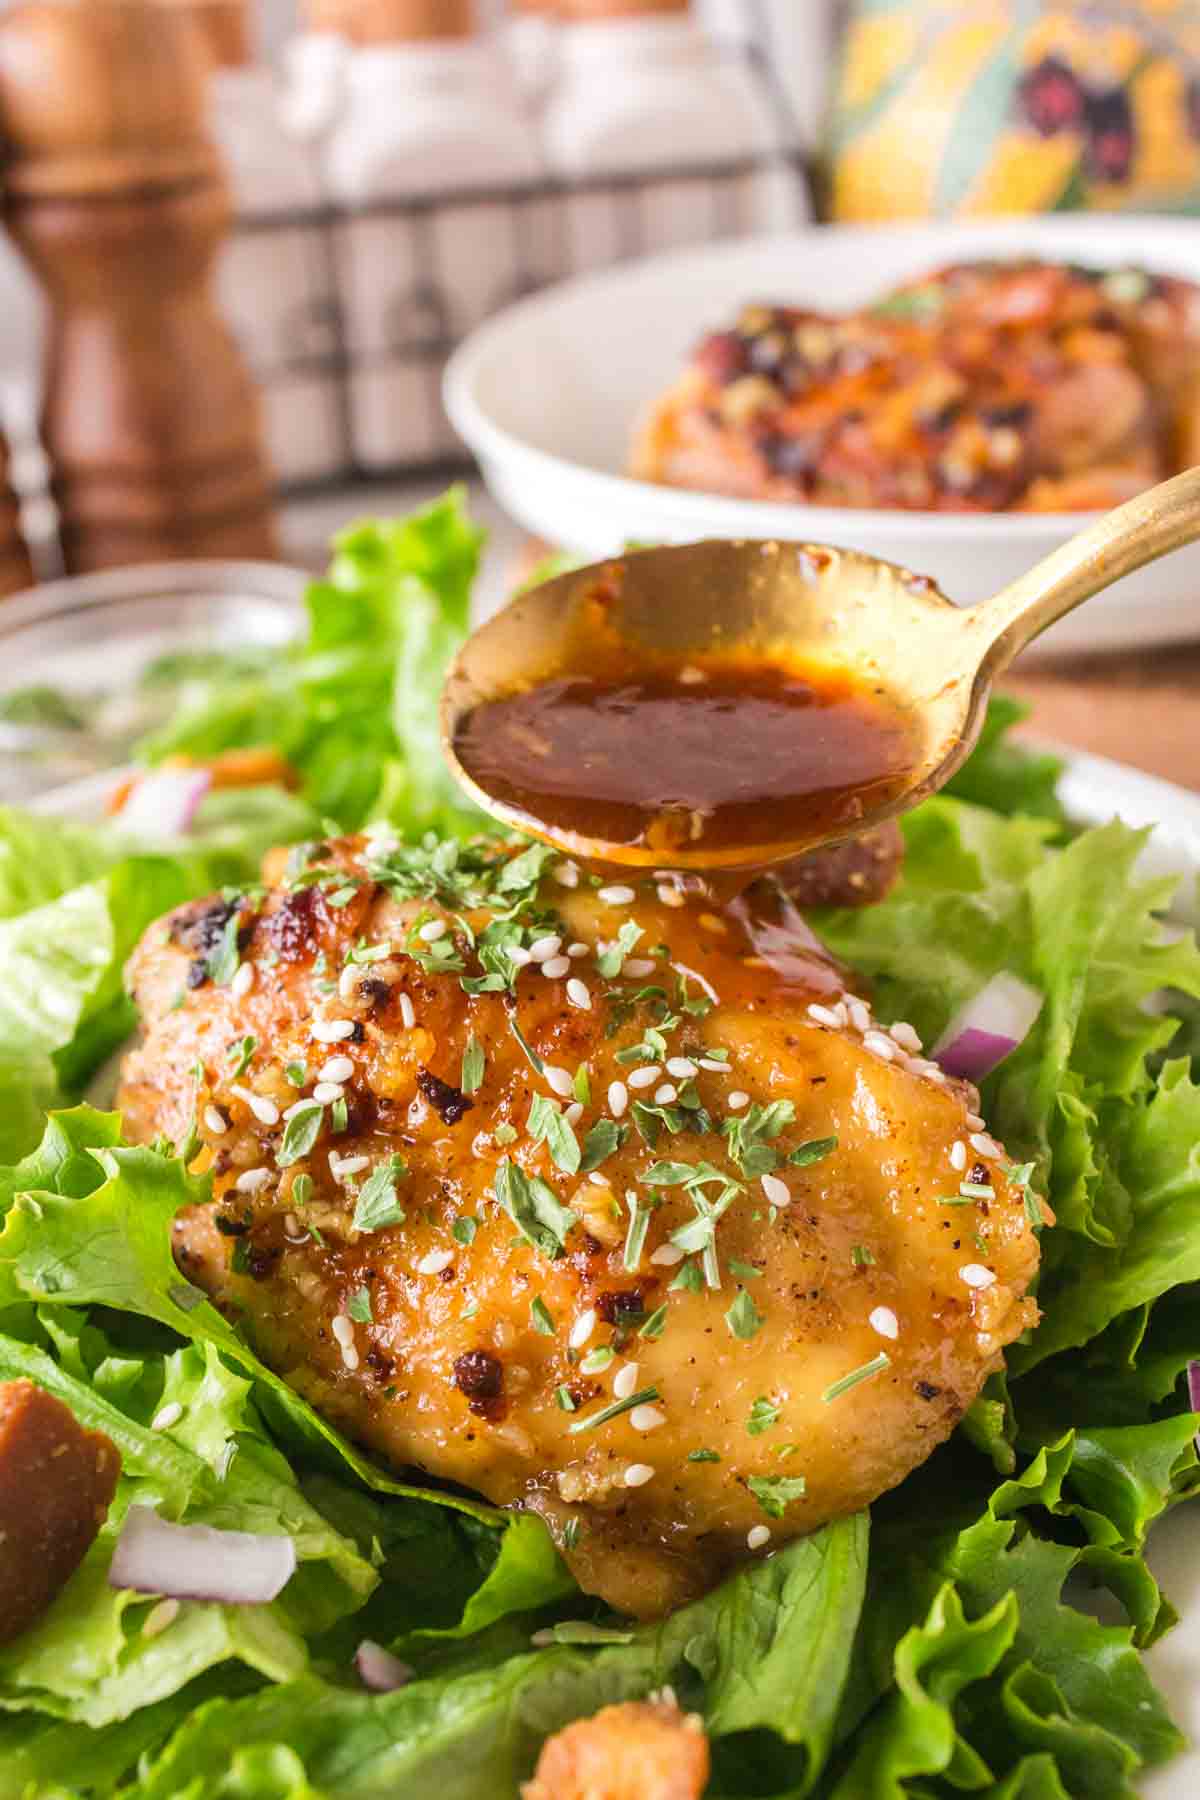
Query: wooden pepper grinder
{"type": "Point", "coordinates": [114, 193]}
{"type": "Point", "coordinates": [15, 572]}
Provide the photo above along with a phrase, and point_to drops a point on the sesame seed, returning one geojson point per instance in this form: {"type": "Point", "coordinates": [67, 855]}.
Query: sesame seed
{"type": "Point", "coordinates": [577, 950]}
{"type": "Point", "coordinates": [682, 1067]}
{"type": "Point", "coordinates": [717, 1068]}
{"type": "Point", "coordinates": [519, 956]}
{"type": "Point", "coordinates": [618, 1098]}
{"type": "Point", "coordinates": [638, 1474]}
{"type": "Point", "coordinates": [558, 1080]}
{"type": "Point", "coordinates": [291, 1227]}
{"type": "Point", "coordinates": [582, 1329]}
{"type": "Point", "coordinates": [342, 1166]}
{"type": "Point", "coordinates": [566, 874]}
{"type": "Point", "coordinates": [647, 1418]}
{"type": "Point", "coordinates": [435, 1262]}
{"type": "Point", "coordinates": [840, 1014]}
{"type": "Point", "coordinates": [880, 1045]}
{"type": "Point", "coordinates": [408, 1017]}
{"type": "Point", "coordinates": [332, 1031]}
{"type": "Point", "coordinates": [543, 948]}
{"type": "Point", "coordinates": [574, 1112]}
{"type": "Point", "coordinates": [160, 1617]}
{"type": "Point", "coordinates": [666, 1095]}
{"type": "Point", "coordinates": [289, 1112]}
{"type": "Point", "coordinates": [778, 1192]}
{"type": "Point", "coordinates": [326, 1092]}
{"type": "Point", "coordinates": [625, 1380]}
{"type": "Point", "coordinates": [985, 1145]}
{"type": "Point", "coordinates": [860, 1014]}
{"type": "Point", "coordinates": [598, 1178]}
{"type": "Point", "coordinates": [757, 1536]}
{"type": "Point", "coordinates": [666, 1256]}
{"type": "Point", "coordinates": [904, 1035]}
{"type": "Point", "coordinates": [958, 1156]}
{"type": "Point", "coordinates": [578, 993]}
{"type": "Point", "coordinates": [616, 896]}
{"type": "Point", "coordinates": [646, 1076]}
{"type": "Point", "coordinates": [348, 982]}
{"type": "Point", "coordinates": [884, 1321]}
{"type": "Point", "coordinates": [338, 1068]}
{"type": "Point", "coordinates": [432, 930]}
{"type": "Point", "coordinates": [690, 677]}
{"type": "Point", "coordinates": [974, 1122]}
{"type": "Point", "coordinates": [250, 1180]}
{"type": "Point", "coordinates": [215, 1120]}
{"type": "Point", "coordinates": [976, 1276]}
{"type": "Point", "coordinates": [557, 967]}
{"type": "Point", "coordinates": [670, 895]}
{"type": "Point", "coordinates": [934, 1073]}
{"type": "Point", "coordinates": [823, 1015]}
{"type": "Point", "coordinates": [737, 1100]}
{"type": "Point", "coordinates": [264, 1110]}
{"type": "Point", "coordinates": [243, 981]}
{"type": "Point", "coordinates": [166, 1417]}
{"type": "Point", "coordinates": [640, 965]}
{"type": "Point", "coordinates": [342, 1329]}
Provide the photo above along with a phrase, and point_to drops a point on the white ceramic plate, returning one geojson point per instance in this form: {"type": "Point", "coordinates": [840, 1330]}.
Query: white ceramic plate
{"type": "Point", "coordinates": [1094, 790]}
{"type": "Point", "coordinates": [547, 395]}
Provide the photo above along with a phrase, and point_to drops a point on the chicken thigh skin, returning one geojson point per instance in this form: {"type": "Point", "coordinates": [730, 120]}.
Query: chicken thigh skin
{"type": "Point", "coordinates": [498, 1146]}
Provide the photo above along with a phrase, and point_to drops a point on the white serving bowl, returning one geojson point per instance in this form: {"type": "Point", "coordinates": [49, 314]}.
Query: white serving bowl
{"type": "Point", "coordinates": [547, 395]}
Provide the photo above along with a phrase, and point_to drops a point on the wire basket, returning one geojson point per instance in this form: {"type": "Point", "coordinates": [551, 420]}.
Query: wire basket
{"type": "Point", "coordinates": [348, 315]}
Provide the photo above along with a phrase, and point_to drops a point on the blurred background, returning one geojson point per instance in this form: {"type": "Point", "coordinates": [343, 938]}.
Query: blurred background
{"type": "Point", "coordinates": [245, 235]}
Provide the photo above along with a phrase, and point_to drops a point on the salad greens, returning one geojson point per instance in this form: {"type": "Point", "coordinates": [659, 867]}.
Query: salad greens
{"type": "Point", "coordinates": [922, 1651]}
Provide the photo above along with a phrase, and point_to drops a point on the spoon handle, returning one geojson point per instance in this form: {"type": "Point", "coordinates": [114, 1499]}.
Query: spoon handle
{"type": "Point", "coordinates": [1144, 528]}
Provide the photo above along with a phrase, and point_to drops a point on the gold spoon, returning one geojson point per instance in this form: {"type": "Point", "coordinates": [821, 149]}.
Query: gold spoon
{"type": "Point", "coordinates": [832, 609]}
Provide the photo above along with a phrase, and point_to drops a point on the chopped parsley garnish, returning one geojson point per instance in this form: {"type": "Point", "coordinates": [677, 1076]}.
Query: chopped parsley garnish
{"type": "Point", "coordinates": [615, 1410]}
{"type": "Point", "coordinates": [505, 1133]}
{"type": "Point", "coordinates": [775, 1493]}
{"type": "Point", "coordinates": [377, 1205]}
{"type": "Point", "coordinates": [656, 1324]}
{"type": "Point", "coordinates": [610, 962]}
{"type": "Point", "coordinates": [358, 1307]}
{"type": "Point", "coordinates": [635, 1237]}
{"type": "Point", "coordinates": [440, 957]}
{"type": "Point", "coordinates": [339, 1115]}
{"type": "Point", "coordinates": [534, 1209]}
{"type": "Point", "coordinates": [302, 1131]}
{"type": "Point", "coordinates": [861, 1256]}
{"type": "Point", "coordinates": [531, 1056]}
{"type": "Point", "coordinates": [463, 1230]}
{"type": "Point", "coordinates": [565, 1398]}
{"type": "Point", "coordinates": [744, 1271]}
{"type": "Point", "coordinates": [764, 1414]}
{"type": "Point", "coordinates": [296, 1073]}
{"type": "Point", "coordinates": [977, 1190]}
{"type": "Point", "coordinates": [875, 1367]}
{"type": "Point", "coordinates": [241, 1055]}
{"type": "Point", "coordinates": [597, 1360]}
{"type": "Point", "coordinates": [816, 1150]}
{"type": "Point", "coordinates": [602, 1139]}
{"type": "Point", "coordinates": [689, 1279]}
{"type": "Point", "coordinates": [301, 1191]}
{"type": "Point", "coordinates": [749, 1135]}
{"type": "Point", "coordinates": [743, 1318]}
{"type": "Point", "coordinates": [473, 1064]}
{"type": "Point", "coordinates": [581, 1085]}
{"type": "Point", "coordinates": [540, 1317]}
{"type": "Point", "coordinates": [703, 1456]}
{"type": "Point", "coordinates": [221, 963]}
{"type": "Point", "coordinates": [546, 1125]}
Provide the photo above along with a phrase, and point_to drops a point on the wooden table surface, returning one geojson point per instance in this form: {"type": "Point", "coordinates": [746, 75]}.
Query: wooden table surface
{"type": "Point", "coordinates": [1140, 707]}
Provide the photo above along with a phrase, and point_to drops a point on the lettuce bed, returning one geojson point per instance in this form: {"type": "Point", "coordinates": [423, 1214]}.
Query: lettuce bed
{"type": "Point", "coordinates": [924, 1650]}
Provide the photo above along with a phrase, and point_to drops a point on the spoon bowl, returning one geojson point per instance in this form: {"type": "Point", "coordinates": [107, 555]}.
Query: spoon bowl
{"type": "Point", "coordinates": [798, 605]}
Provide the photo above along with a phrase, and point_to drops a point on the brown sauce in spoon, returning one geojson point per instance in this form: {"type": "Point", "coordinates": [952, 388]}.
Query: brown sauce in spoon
{"type": "Point", "coordinates": [713, 754]}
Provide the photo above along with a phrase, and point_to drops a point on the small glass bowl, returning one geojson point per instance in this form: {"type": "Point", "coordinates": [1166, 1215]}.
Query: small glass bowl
{"type": "Point", "coordinates": [75, 656]}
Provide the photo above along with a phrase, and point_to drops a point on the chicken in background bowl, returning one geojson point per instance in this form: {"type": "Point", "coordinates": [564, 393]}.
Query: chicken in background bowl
{"type": "Point", "coordinates": [984, 387]}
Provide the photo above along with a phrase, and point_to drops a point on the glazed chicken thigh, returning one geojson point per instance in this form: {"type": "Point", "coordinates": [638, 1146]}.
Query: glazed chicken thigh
{"type": "Point", "coordinates": [577, 1193]}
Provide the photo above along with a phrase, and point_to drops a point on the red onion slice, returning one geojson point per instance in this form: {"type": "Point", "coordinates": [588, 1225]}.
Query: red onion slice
{"type": "Point", "coordinates": [197, 1562]}
{"type": "Point", "coordinates": [380, 1670]}
{"type": "Point", "coordinates": [988, 1027]}
{"type": "Point", "coordinates": [164, 804]}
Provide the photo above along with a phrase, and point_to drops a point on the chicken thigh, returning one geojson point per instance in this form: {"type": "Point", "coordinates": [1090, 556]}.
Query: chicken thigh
{"type": "Point", "coordinates": [580, 1193]}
